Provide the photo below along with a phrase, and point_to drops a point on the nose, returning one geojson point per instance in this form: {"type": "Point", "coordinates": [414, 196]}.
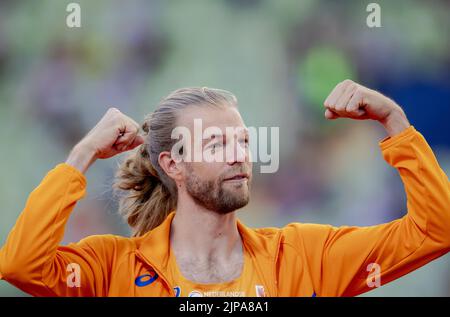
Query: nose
{"type": "Point", "coordinates": [236, 153]}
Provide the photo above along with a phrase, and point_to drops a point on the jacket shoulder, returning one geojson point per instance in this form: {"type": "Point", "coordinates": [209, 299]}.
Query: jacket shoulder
{"type": "Point", "coordinates": [309, 234]}
{"type": "Point", "coordinates": [293, 232]}
{"type": "Point", "coordinates": [106, 245]}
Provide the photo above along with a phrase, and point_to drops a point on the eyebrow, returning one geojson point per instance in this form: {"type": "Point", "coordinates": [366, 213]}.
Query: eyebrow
{"type": "Point", "coordinates": [211, 137]}
{"type": "Point", "coordinates": [221, 136]}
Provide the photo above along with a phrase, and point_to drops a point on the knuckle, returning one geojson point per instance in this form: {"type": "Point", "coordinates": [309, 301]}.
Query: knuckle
{"type": "Point", "coordinates": [136, 125]}
{"type": "Point", "coordinates": [360, 90]}
{"type": "Point", "coordinates": [353, 86]}
{"type": "Point", "coordinates": [115, 115]}
{"type": "Point", "coordinates": [113, 110]}
{"type": "Point", "coordinates": [132, 125]}
{"type": "Point", "coordinates": [347, 82]}
{"type": "Point", "coordinates": [357, 94]}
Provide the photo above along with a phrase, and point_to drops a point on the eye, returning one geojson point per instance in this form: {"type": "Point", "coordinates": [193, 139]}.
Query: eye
{"type": "Point", "coordinates": [216, 146]}
{"type": "Point", "coordinates": [244, 142]}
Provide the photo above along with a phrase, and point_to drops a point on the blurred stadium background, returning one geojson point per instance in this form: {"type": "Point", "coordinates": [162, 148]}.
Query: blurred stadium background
{"type": "Point", "coordinates": [281, 58]}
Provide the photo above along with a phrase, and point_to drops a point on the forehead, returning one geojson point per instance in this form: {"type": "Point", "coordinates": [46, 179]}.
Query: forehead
{"type": "Point", "coordinates": [211, 117]}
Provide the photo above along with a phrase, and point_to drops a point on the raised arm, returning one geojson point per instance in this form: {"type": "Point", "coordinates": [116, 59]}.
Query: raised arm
{"type": "Point", "coordinates": [32, 258]}
{"type": "Point", "coordinates": [348, 261]}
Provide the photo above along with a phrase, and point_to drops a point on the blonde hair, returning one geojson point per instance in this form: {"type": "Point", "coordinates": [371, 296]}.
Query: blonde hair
{"type": "Point", "coordinates": [147, 193]}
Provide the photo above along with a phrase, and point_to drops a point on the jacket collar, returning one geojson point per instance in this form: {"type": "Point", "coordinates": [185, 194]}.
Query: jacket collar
{"type": "Point", "coordinates": [262, 244]}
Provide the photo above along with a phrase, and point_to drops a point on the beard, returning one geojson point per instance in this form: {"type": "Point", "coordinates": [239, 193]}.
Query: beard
{"type": "Point", "coordinates": [214, 194]}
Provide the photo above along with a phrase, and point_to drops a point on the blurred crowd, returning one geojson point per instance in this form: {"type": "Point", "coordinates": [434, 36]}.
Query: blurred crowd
{"type": "Point", "coordinates": [280, 58]}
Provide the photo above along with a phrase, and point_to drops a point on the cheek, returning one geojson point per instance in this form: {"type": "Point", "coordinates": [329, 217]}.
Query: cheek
{"type": "Point", "coordinates": [249, 168]}
{"type": "Point", "coordinates": [207, 171]}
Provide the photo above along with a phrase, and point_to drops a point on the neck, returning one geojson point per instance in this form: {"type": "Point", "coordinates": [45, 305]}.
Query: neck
{"type": "Point", "coordinates": [202, 233]}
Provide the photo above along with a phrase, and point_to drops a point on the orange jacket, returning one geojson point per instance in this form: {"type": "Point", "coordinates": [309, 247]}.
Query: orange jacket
{"type": "Point", "coordinates": [296, 260]}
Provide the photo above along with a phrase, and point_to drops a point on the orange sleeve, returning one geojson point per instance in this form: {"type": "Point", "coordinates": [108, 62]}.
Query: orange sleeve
{"type": "Point", "coordinates": [32, 260]}
{"type": "Point", "coordinates": [339, 257]}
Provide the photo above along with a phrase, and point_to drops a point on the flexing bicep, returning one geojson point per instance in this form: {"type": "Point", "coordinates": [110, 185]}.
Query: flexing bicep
{"type": "Point", "coordinates": [342, 256]}
{"type": "Point", "coordinates": [78, 269]}
{"type": "Point", "coordinates": [357, 259]}
{"type": "Point", "coordinates": [32, 258]}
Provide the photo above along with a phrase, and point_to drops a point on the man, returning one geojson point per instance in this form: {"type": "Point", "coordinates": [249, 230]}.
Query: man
{"type": "Point", "coordinates": [186, 238]}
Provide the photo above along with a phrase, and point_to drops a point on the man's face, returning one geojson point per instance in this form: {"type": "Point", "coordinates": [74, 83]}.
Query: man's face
{"type": "Point", "coordinates": [221, 180]}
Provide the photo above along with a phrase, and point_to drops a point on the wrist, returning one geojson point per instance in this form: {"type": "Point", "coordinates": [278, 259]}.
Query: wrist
{"type": "Point", "coordinates": [395, 122]}
{"type": "Point", "coordinates": [81, 157]}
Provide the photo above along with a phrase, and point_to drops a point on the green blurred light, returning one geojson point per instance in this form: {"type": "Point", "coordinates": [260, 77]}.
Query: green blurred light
{"type": "Point", "coordinates": [319, 73]}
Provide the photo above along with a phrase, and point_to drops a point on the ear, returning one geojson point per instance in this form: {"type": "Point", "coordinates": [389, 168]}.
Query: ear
{"type": "Point", "coordinates": [170, 166]}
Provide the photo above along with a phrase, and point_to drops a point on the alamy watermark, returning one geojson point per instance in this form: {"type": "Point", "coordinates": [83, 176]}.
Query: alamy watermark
{"type": "Point", "coordinates": [73, 19]}
{"type": "Point", "coordinates": [373, 20]}
{"type": "Point", "coordinates": [240, 144]}
{"type": "Point", "coordinates": [74, 276]}
{"type": "Point", "coordinates": [374, 277]}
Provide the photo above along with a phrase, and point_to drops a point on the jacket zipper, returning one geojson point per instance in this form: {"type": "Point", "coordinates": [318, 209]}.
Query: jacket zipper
{"type": "Point", "coordinates": [275, 279]}
{"type": "Point", "coordinates": [149, 263]}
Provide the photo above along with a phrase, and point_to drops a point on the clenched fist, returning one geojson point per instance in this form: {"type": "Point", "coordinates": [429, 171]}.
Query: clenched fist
{"type": "Point", "coordinates": [113, 134]}
{"type": "Point", "coordinates": [351, 100]}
